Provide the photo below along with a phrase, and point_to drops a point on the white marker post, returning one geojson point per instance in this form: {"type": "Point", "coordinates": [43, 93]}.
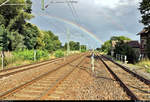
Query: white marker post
{"type": "Point", "coordinates": [125, 59]}
{"type": "Point", "coordinates": [92, 62]}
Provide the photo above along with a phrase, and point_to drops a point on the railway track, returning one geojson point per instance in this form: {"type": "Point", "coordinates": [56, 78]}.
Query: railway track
{"type": "Point", "coordinates": [137, 88]}
{"type": "Point", "coordinates": [41, 86]}
{"type": "Point", "coordinates": [14, 70]}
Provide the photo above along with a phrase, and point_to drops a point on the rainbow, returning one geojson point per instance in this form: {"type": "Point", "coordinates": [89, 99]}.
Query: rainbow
{"type": "Point", "coordinates": [72, 24]}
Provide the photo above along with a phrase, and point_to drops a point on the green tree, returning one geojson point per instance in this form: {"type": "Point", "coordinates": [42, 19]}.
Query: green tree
{"type": "Point", "coordinates": [15, 41]}
{"type": "Point", "coordinates": [144, 10]}
{"type": "Point", "coordinates": [73, 45]}
{"type": "Point", "coordinates": [13, 14]}
{"type": "Point", "coordinates": [83, 48]}
{"type": "Point", "coordinates": [4, 40]}
{"type": "Point", "coordinates": [120, 38]}
{"type": "Point", "coordinates": [14, 20]}
{"type": "Point", "coordinates": [106, 47]}
{"type": "Point", "coordinates": [51, 42]}
{"type": "Point", "coordinates": [31, 34]}
{"type": "Point", "coordinates": [124, 49]}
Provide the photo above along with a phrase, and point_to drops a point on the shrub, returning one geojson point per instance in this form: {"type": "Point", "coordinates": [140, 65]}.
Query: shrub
{"type": "Point", "coordinates": [144, 62]}
{"type": "Point", "coordinates": [29, 54]}
{"type": "Point", "coordinates": [83, 50]}
{"type": "Point", "coordinates": [42, 54]}
{"type": "Point", "coordinates": [59, 53]}
{"type": "Point", "coordinates": [148, 70]}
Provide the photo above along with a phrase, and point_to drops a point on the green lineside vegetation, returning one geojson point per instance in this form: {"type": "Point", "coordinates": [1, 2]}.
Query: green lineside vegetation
{"type": "Point", "coordinates": [19, 38]}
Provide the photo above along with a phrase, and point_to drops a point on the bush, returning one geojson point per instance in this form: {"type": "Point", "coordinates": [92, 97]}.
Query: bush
{"type": "Point", "coordinates": [42, 54]}
{"type": "Point", "coordinates": [83, 50]}
{"type": "Point", "coordinates": [144, 62]}
{"type": "Point", "coordinates": [29, 54]}
{"type": "Point", "coordinates": [124, 49]}
{"type": "Point", "coordinates": [59, 53]}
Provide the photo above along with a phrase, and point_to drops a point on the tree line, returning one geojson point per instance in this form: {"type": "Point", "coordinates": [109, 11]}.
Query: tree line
{"type": "Point", "coordinates": [121, 47]}
{"type": "Point", "coordinates": [16, 33]}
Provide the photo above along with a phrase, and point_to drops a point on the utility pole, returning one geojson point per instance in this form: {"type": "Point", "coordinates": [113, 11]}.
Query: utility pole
{"type": "Point", "coordinates": [68, 39]}
{"type": "Point", "coordinates": [86, 47]}
{"type": "Point", "coordinates": [34, 54]}
{"type": "Point", "coordinates": [42, 2]}
{"type": "Point", "coordinates": [80, 48]}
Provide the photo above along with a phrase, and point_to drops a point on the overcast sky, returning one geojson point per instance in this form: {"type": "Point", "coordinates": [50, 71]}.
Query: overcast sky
{"type": "Point", "coordinates": [104, 18]}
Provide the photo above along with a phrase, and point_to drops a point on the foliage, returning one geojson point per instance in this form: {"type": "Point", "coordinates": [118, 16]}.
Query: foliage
{"type": "Point", "coordinates": [73, 45]}
{"type": "Point", "coordinates": [83, 48]}
{"type": "Point", "coordinates": [4, 41]}
{"type": "Point", "coordinates": [16, 33]}
{"type": "Point", "coordinates": [120, 38]}
{"type": "Point", "coordinates": [51, 42]}
{"type": "Point", "coordinates": [13, 20]}
{"type": "Point", "coordinates": [59, 53]}
{"type": "Point", "coordinates": [31, 34]}
{"type": "Point", "coordinates": [98, 49]}
{"type": "Point", "coordinates": [106, 47]}
{"type": "Point", "coordinates": [29, 54]}
{"type": "Point", "coordinates": [144, 10]}
{"type": "Point", "coordinates": [144, 62]}
{"type": "Point", "coordinates": [148, 70]}
{"type": "Point", "coordinates": [124, 49]}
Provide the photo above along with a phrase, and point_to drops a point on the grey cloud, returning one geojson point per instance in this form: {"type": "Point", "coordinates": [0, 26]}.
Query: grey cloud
{"type": "Point", "coordinates": [104, 22]}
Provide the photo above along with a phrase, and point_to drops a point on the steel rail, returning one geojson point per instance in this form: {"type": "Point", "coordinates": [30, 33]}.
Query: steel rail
{"type": "Point", "coordinates": [13, 90]}
{"type": "Point", "coordinates": [21, 70]}
{"type": "Point", "coordinates": [52, 88]}
{"type": "Point", "coordinates": [36, 65]}
{"type": "Point", "coordinates": [146, 81]}
{"type": "Point", "coordinates": [122, 84]}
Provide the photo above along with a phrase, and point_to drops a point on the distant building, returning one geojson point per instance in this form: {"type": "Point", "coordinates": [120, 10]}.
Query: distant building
{"type": "Point", "coordinates": [135, 46]}
{"type": "Point", "coordinates": [144, 35]}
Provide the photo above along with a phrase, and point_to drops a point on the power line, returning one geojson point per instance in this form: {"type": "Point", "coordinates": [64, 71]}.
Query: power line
{"type": "Point", "coordinates": [78, 18]}
{"type": "Point", "coordinates": [72, 11]}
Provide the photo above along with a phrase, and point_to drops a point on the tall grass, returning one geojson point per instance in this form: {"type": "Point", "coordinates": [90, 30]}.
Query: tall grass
{"type": "Point", "coordinates": [17, 58]}
{"type": "Point", "coordinates": [144, 63]}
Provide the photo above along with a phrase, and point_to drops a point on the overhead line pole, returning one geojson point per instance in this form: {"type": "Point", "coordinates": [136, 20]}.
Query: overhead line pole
{"type": "Point", "coordinates": [42, 4]}
{"type": "Point", "coordinates": [68, 45]}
